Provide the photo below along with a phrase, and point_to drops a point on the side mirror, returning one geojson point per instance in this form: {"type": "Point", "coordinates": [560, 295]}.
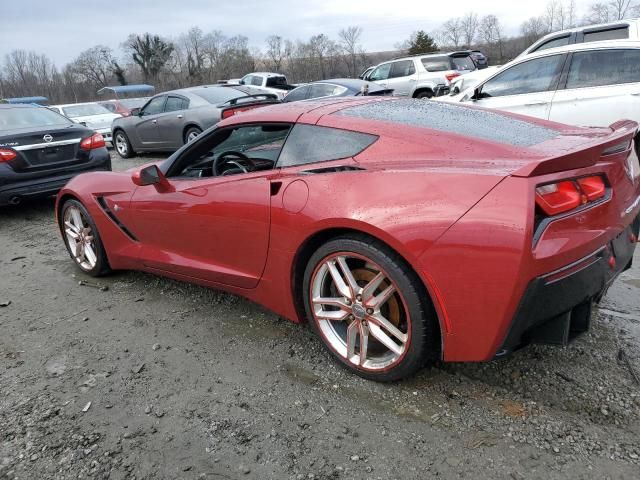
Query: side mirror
{"type": "Point", "coordinates": [477, 94]}
{"type": "Point", "coordinates": [135, 112]}
{"type": "Point", "coordinates": [241, 82]}
{"type": "Point", "coordinates": [151, 175]}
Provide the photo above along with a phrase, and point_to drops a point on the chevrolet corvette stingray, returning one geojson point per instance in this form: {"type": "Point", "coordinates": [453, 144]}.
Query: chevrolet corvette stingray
{"type": "Point", "coordinates": [401, 231]}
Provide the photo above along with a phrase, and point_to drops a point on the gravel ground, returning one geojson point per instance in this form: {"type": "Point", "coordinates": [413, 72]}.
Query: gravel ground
{"type": "Point", "coordinates": [154, 379]}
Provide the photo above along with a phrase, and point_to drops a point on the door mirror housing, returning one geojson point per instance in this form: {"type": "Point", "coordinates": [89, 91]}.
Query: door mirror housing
{"type": "Point", "coordinates": [135, 112]}
{"type": "Point", "coordinates": [477, 93]}
{"type": "Point", "coordinates": [151, 175]}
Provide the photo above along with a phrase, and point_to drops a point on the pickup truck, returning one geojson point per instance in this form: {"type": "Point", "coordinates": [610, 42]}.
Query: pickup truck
{"type": "Point", "coordinates": [271, 82]}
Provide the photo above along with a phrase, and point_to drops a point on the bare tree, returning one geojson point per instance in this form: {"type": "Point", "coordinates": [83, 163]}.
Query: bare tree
{"type": "Point", "coordinates": [491, 32]}
{"type": "Point", "coordinates": [350, 44]}
{"type": "Point", "coordinates": [469, 25]}
{"type": "Point", "coordinates": [533, 29]}
{"type": "Point", "coordinates": [275, 51]}
{"type": "Point", "coordinates": [619, 8]}
{"type": "Point", "coordinates": [95, 66]}
{"type": "Point", "coordinates": [452, 32]}
{"type": "Point", "coordinates": [150, 53]}
{"type": "Point", "coordinates": [552, 14]}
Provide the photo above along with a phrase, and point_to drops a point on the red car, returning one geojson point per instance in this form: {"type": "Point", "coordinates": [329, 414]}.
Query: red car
{"type": "Point", "coordinates": [402, 231]}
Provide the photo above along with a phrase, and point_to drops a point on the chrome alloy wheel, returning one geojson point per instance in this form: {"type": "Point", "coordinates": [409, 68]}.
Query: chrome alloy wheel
{"type": "Point", "coordinates": [360, 311]}
{"type": "Point", "coordinates": [121, 144]}
{"type": "Point", "coordinates": [192, 134]}
{"type": "Point", "coordinates": [80, 238]}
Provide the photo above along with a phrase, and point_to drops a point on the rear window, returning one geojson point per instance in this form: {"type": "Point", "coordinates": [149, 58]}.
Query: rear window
{"type": "Point", "coordinates": [310, 144]}
{"type": "Point", "coordinates": [14, 118]}
{"type": "Point", "coordinates": [463, 63]}
{"type": "Point", "coordinates": [610, 34]}
{"type": "Point", "coordinates": [216, 95]}
{"type": "Point", "coordinates": [456, 119]}
{"type": "Point", "coordinates": [276, 82]}
{"type": "Point", "coordinates": [74, 111]}
{"type": "Point", "coordinates": [437, 64]}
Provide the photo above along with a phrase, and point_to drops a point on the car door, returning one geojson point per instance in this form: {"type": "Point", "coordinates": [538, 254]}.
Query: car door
{"type": "Point", "coordinates": [212, 228]}
{"type": "Point", "coordinates": [380, 74]}
{"type": "Point", "coordinates": [599, 88]}
{"type": "Point", "coordinates": [172, 121]}
{"type": "Point", "coordinates": [402, 77]}
{"type": "Point", "coordinates": [147, 125]}
{"type": "Point", "coordinates": [526, 88]}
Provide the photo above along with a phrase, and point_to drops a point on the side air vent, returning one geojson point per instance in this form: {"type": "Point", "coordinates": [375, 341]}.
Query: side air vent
{"type": "Point", "coordinates": [336, 169]}
{"type": "Point", "coordinates": [101, 201]}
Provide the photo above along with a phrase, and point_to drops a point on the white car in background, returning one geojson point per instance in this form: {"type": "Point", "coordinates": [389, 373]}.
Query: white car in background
{"type": "Point", "coordinates": [423, 76]}
{"type": "Point", "coordinates": [619, 30]}
{"type": "Point", "coordinates": [465, 82]}
{"type": "Point", "coordinates": [275, 83]}
{"type": "Point", "coordinates": [94, 116]}
{"type": "Point", "coordinates": [588, 84]}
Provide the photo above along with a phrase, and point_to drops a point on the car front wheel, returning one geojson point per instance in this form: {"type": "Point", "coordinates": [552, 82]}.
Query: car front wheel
{"type": "Point", "coordinates": [82, 239]}
{"type": "Point", "coordinates": [369, 308]}
{"type": "Point", "coordinates": [122, 144]}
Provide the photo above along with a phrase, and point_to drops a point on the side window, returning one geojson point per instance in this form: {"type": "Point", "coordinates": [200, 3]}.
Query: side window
{"type": "Point", "coordinates": [256, 81]}
{"type": "Point", "coordinates": [260, 143]}
{"type": "Point", "coordinates": [554, 42]}
{"type": "Point", "coordinates": [603, 67]}
{"type": "Point", "coordinates": [403, 68]}
{"type": "Point", "coordinates": [610, 34]}
{"type": "Point", "coordinates": [154, 107]}
{"type": "Point", "coordinates": [325, 90]}
{"type": "Point", "coordinates": [296, 94]}
{"type": "Point", "coordinates": [175, 103]}
{"type": "Point", "coordinates": [109, 106]}
{"type": "Point", "coordinates": [310, 143]}
{"type": "Point", "coordinates": [380, 73]}
{"type": "Point", "coordinates": [538, 75]}
{"type": "Point", "coordinates": [463, 63]}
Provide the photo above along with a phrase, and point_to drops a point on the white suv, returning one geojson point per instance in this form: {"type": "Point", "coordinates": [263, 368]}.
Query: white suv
{"type": "Point", "coordinates": [620, 30]}
{"type": "Point", "coordinates": [422, 76]}
{"type": "Point", "coordinates": [589, 84]}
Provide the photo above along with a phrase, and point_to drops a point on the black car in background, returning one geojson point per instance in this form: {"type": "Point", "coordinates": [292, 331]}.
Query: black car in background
{"type": "Point", "coordinates": [479, 59]}
{"type": "Point", "coordinates": [337, 87]}
{"type": "Point", "coordinates": [40, 150]}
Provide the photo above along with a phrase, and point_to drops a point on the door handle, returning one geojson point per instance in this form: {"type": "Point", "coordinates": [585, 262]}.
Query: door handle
{"type": "Point", "coordinates": [180, 116]}
{"type": "Point", "coordinates": [535, 104]}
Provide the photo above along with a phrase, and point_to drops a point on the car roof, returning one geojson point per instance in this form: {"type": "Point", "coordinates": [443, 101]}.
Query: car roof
{"type": "Point", "coordinates": [6, 106]}
{"type": "Point", "coordinates": [352, 83]}
{"type": "Point", "coordinates": [586, 28]}
{"type": "Point", "coordinates": [577, 47]}
{"type": "Point", "coordinates": [74, 104]}
{"type": "Point", "coordinates": [266, 74]}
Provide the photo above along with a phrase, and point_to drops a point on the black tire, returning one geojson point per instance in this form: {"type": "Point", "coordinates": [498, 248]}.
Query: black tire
{"type": "Point", "coordinates": [101, 266]}
{"type": "Point", "coordinates": [122, 145]}
{"type": "Point", "coordinates": [424, 339]}
{"type": "Point", "coordinates": [191, 131]}
{"type": "Point", "coordinates": [425, 94]}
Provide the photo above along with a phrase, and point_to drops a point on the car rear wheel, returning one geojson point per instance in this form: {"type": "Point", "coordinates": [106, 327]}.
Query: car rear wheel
{"type": "Point", "coordinates": [82, 239]}
{"type": "Point", "coordinates": [191, 133]}
{"type": "Point", "coordinates": [122, 144]}
{"type": "Point", "coordinates": [369, 308]}
{"type": "Point", "coordinates": [424, 95]}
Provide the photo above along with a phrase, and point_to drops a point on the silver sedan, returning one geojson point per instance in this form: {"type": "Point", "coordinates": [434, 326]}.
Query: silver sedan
{"type": "Point", "coordinates": [171, 119]}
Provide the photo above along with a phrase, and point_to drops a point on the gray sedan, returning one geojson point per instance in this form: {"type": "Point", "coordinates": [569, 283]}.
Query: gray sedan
{"type": "Point", "coordinates": [171, 119]}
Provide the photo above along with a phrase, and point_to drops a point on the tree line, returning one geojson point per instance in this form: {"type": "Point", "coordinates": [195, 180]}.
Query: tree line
{"type": "Point", "coordinates": [198, 57]}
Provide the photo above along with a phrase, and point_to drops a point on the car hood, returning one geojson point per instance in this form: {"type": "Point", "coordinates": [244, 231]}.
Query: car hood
{"type": "Point", "coordinates": [97, 121]}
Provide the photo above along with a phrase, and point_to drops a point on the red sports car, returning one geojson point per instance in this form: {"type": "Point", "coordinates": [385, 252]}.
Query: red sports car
{"type": "Point", "coordinates": [402, 231]}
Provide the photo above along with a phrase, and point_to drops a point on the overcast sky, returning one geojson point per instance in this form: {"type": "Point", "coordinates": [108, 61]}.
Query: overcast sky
{"type": "Point", "coordinates": [61, 29]}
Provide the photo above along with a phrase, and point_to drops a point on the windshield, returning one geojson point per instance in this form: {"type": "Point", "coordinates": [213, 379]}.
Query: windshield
{"type": "Point", "coordinates": [11, 118]}
{"type": "Point", "coordinates": [74, 111]}
{"type": "Point", "coordinates": [216, 95]}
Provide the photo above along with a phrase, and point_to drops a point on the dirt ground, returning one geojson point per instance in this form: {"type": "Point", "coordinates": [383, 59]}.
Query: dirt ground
{"type": "Point", "coordinates": [155, 379]}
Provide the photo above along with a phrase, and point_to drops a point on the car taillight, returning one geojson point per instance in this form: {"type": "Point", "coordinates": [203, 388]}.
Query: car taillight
{"type": "Point", "coordinates": [230, 112]}
{"type": "Point", "coordinates": [561, 197]}
{"type": "Point", "coordinates": [7, 155]}
{"type": "Point", "coordinates": [451, 76]}
{"type": "Point", "coordinates": [94, 141]}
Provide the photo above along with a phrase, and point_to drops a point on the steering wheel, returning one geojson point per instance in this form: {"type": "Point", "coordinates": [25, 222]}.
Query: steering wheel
{"type": "Point", "coordinates": [223, 158]}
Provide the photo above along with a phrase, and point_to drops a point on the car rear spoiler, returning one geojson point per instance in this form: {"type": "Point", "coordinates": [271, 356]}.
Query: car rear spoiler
{"type": "Point", "coordinates": [235, 105]}
{"type": "Point", "coordinates": [622, 134]}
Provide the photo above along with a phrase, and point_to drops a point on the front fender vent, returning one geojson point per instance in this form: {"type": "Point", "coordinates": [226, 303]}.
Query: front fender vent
{"type": "Point", "coordinates": [335, 169]}
{"type": "Point", "coordinates": [103, 204]}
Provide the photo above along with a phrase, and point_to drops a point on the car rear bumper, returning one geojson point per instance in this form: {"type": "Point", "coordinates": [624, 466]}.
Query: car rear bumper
{"type": "Point", "coordinates": [106, 133]}
{"type": "Point", "coordinates": [16, 190]}
{"type": "Point", "coordinates": [556, 307]}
